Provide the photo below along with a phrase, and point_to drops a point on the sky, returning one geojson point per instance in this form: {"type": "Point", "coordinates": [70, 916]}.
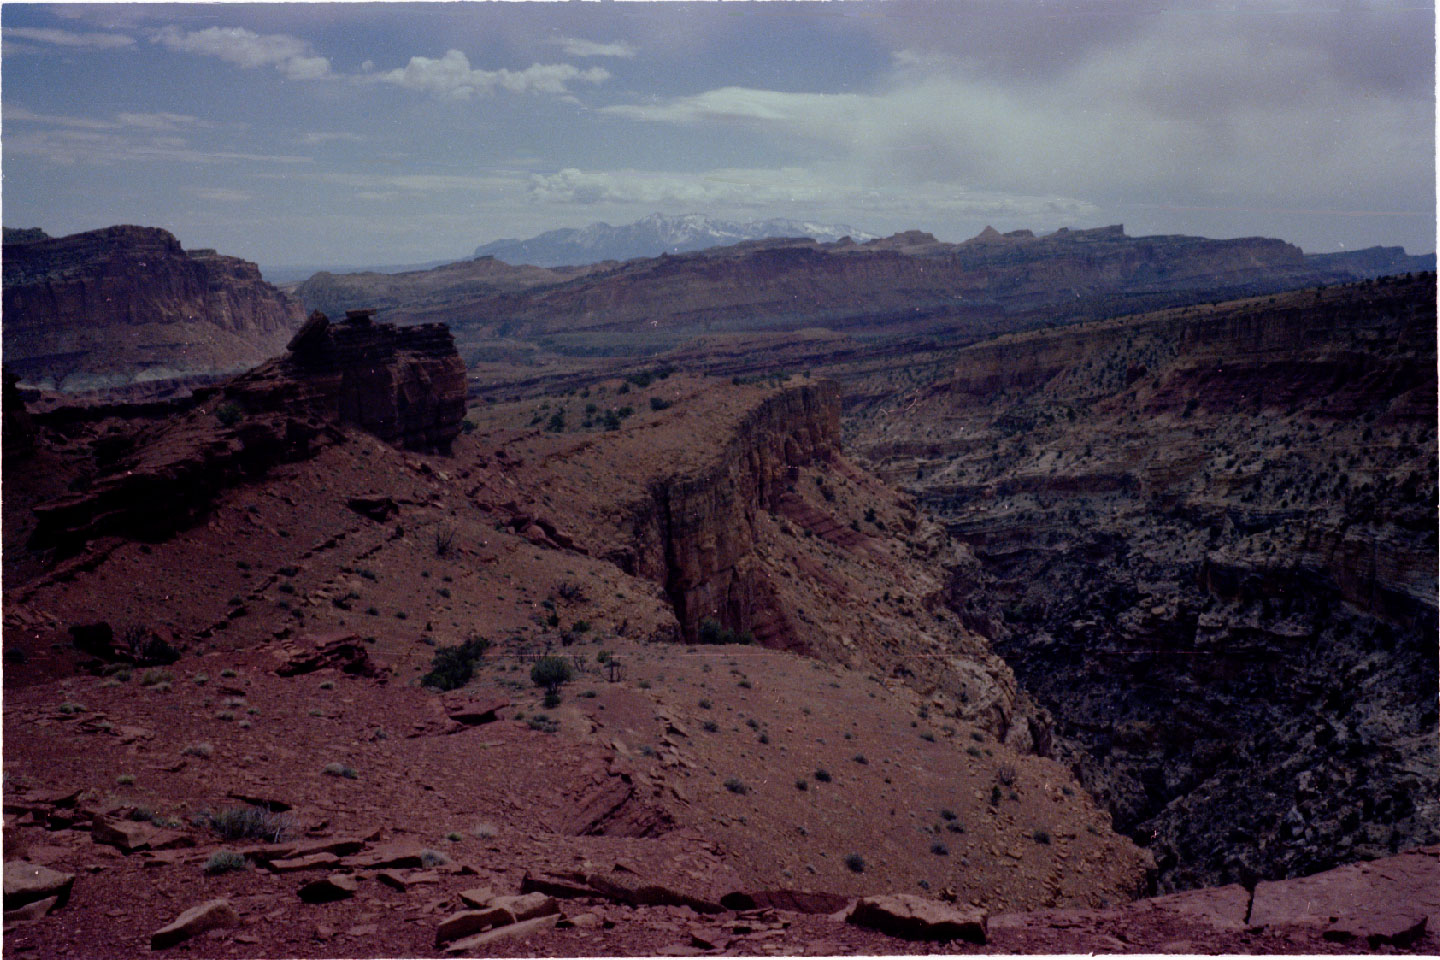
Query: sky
{"type": "Point", "coordinates": [348, 134]}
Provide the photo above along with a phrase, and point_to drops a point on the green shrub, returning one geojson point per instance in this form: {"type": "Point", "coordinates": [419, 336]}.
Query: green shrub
{"type": "Point", "coordinates": [551, 672]}
{"type": "Point", "coordinates": [711, 632]}
{"type": "Point", "coordinates": [229, 414]}
{"type": "Point", "coordinates": [433, 858]}
{"type": "Point", "coordinates": [340, 770]}
{"type": "Point", "coordinates": [659, 403]}
{"type": "Point", "coordinates": [452, 667]}
{"type": "Point", "coordinates": [225, 861]}
{"type": "Point", "coordinates": [246, 823]}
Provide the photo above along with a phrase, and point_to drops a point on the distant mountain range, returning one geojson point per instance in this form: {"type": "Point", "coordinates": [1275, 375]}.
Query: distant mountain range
{"type": "Point", "coordinates": [652, 236]}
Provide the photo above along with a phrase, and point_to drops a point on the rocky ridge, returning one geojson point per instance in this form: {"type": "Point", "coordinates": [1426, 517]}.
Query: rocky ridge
{"type": "Point", "coordinates": [127, 304]}
{"type": "Point", "coordinates": [404, 386]}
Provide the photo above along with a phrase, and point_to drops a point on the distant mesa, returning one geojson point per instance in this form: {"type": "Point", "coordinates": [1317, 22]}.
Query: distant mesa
{"type": "Point", "coordinates": [125, 305]}
{"type": "Point", "coordinates": [654, 235]}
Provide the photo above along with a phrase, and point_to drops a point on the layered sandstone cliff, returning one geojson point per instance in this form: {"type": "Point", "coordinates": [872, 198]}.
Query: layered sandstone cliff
{"type": "Point", "coordinates": [127, 304]}
{"type": "Point", "coordinates": [405, 386]}
{"type": "Point", "coordinates": [1207, 539]}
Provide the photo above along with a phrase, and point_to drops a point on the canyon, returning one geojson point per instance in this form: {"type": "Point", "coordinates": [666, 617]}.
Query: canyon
{"type": "Point", "coordinates": [981, 620]}
{"type": "Point", "coordinates": [1207, 541]}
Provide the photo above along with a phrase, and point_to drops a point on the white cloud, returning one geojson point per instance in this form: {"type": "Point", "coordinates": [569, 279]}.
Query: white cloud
{"type": "Point", "coordinates": [825, 187]}
{"type": "Point", "coordinates": [575, 47]}
{"type": "Point", "coordinates": [1195, 117]}
{"type": "Point", "coordinates": [317, 137]}
{"type": "Point", "coordinates": [221, 194]}
{"type": "Point", "coordinates": [161, 121]}
{"type": "Point", "coordinates": [68, 38]}
{"type": "Point", "coordinates": [452, 78]}
{"type": "Point", "coordinates": [246, 48]}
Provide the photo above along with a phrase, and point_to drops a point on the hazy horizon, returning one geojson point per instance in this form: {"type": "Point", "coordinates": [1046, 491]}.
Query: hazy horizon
{"type": "Point", "coordinates": [378, 134]}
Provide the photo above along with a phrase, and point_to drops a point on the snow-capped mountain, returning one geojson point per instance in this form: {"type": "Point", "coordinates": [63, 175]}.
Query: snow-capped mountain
{"type": "Point", "coordinates": [652, 236]}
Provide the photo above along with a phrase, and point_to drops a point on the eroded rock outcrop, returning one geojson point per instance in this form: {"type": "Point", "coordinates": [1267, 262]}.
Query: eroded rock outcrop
{"type": "Point", "coordinates": [111, 307]}
{"type": "Point", "coordinates": [404, 385]}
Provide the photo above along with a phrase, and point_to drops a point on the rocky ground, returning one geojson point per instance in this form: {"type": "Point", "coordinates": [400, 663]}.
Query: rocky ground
{"type": "Point", "coordinates": [866, 771]}
{"type": "Point", "coordinates": [307, 604]}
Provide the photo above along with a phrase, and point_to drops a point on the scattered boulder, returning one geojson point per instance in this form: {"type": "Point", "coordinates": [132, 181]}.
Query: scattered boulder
{"type": "Point", "coordinates": [337, 886]}
{"type": "Point", "coordinates": [193, 922]}
{"type": "Point", "coordinates": [918, 918]}
{"type": "Point", "coordinates": [378, 508]}
{"type": "Point", "coordinates": [340, 649]}
{"type": "Point", "coordinates": [475, 712]}
{"type": "Point", "coordinates": [27, 883]}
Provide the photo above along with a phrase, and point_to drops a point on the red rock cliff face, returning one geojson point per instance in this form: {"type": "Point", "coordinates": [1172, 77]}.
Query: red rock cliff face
{"type": "Point", "coordinates": [699, 537]}
{"type": "Point", "coordinates": [404, 385]}
{"type": "Point", "coordinates": [113, 306]}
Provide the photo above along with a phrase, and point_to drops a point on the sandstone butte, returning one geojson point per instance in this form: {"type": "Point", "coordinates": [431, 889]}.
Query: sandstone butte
{"type": "Point", "coordinates": [124, 305]}
{"type": "Point", "coordinates": [683, 796]}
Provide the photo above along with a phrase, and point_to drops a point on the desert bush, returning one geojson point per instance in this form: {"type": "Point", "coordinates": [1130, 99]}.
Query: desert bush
{"type": "Point", "coordinates": [246, 823]}
{"type": "Point", "coordinates": [340, 770]}
{"type": "Point", "coordinates": [69, 708]}
{"type": "Point", "coordinates": [229, 414]}
{"type": "Point", "coordinates": [823, 776]}
{"type": "Point", "coordinates": [433, 858]}
{"type": "Point", "coordinates": [452, 667]}
{"type": "Point", "coordinates": [485, 830]}
{"type": "Point", "coordinates": [711, 632]}
{"type": "Point", "coordinates": [855, 863]}
{"type": "Point", "coordinates": [444, 539]}
{"type": "Point", "coordinates": [1041, 836]}
{"type": "Point", "coordinates": [225, 861]}
{"type": "Point", "coordinates": [659, 403]}
{"type": "Point", "coordinates": [552, 699]}
{"type": "Point", "coordinates": [551, 673]}
{"type": "Point", "coordinates": [802, 784]}
{"type": "Point", "coordinates": [939, 849]}
{"type": "Point", "coordinates": [736, 786]}
{"type": "Point", "coordinates": [1005, 774]}
{"type": "Point", "coordinates": [710, 726]}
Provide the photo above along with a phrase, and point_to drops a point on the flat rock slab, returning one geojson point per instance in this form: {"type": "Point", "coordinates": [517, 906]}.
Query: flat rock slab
{"type": "Point", "coordinates": [480, 941]}
{"type": "Point", "coordinates": [29, 882]}
{"type": "Point", "coordinates": [193, 922]}
{"type": "Point", "coordinates": [918, 918]}
{"type": "Point", "coordinates": [314, 861]}
{"type": "Point", "coordinates": [1221, 906]}
{"type": "Point", "coordinates": [131, 835]}
{"type": "Point", "coordinates": [527, 906]}
{"type": "Point", "coordinates": [31, 911]}
{"type": "Point", "coordinates": [477, 898]}
{"type": "Point", "coordinates": [1388, 901]}
{"type": "Point", "coordinates": [405, 879]}
{"type": "Point", "coordinates": [337, 886]}
{"type": "Point", "coordinates": [402, 855]}
{"type": "Point", "coordinates": [474, 712]}
{"type": "Point", "coordinates": [469, 922]}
